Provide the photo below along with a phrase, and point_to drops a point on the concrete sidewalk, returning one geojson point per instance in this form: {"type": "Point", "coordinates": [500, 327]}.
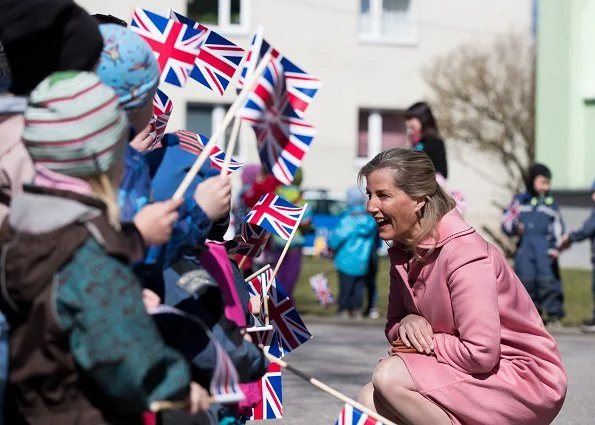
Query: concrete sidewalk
{"type": "Point", "coordinates": [343, 356]}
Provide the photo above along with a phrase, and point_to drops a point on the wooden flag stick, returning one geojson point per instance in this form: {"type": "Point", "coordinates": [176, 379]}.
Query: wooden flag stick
{"type": "Point", "coordinates": [160, 406]}
{"type": "Point", "coordinates": [258, 272]}
{"type": "Point", "coordinates": [231, 112]}
{"type": "Point", "coordinates": [329, 390]}
{"type": "Point", "coordinates": [278, 265]}
{"type": "Point", "coordinates": [242, 261]}
{"type": "Point", "coordinates": [231, 145]}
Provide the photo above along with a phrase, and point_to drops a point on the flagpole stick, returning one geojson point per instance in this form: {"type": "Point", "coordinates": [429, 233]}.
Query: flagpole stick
{"type": "Point", "coordinates": [160, 406]}
{"type": "Point", "coordinates": [242, 262]}
{"type": "Point", "coordinates": [231, 112]}
{"type": "Point", "coordinates": [329, 390]}
{"type": "Point", "coordinates": [258, 272]}
{"type": "Point", "coordinates": [231, 145]}
{"type": "Point", "coordinates": [278, 265]}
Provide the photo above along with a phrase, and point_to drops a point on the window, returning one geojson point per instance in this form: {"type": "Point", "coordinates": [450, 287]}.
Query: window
{"type": "Point", "coordinates": [379, 131]}
{"type": "Point", "coordinates": [390, 21]}
{"type": "Point", "coordinates": [228, 16]}
{"type": "Point", "coordinates": [204, 119]}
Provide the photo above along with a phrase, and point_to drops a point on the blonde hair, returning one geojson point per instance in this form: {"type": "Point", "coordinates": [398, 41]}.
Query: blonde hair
{"type": "Point", "coordinates": [103, 188]}
{"type": "Point", "coordinates": [415, 175]}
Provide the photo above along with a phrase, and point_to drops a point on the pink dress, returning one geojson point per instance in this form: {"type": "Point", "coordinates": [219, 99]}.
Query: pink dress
{"type": "Point", "coordinates": [495, 363]}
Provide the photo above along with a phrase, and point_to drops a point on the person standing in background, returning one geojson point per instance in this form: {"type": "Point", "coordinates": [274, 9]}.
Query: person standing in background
{"type": "Point", "coordinates": [353, 242]}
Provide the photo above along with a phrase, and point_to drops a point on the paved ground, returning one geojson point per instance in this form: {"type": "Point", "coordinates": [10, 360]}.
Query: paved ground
{"type": "Point", "coordinates": [344, 356]}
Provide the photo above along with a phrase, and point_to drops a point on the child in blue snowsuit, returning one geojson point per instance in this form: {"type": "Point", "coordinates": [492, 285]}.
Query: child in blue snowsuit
{"type": "Point", "coordinates": [353, 242]}
{"type": "Point", "coordinates": [587, 231]}
{"type": "Point", "coordinates": [534, 216]}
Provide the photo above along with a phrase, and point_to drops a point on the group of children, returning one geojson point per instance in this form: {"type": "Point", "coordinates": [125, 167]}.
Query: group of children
{"type": "Point", "coordinates": [534, 217]}
{"type": "Point", "coordinates": [91, 241]}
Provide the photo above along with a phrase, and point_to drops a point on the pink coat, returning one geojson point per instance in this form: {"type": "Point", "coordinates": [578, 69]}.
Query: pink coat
{"type": "Point", "coordinates": [494, 361]}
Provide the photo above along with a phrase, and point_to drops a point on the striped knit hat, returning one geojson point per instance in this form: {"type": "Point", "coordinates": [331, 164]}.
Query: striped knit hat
{"type": "Point", "coordinates": [73, 124]}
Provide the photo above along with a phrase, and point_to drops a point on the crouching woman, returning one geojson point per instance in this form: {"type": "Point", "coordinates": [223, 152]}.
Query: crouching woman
{"type": "Point", "coordinates": [467, 344]}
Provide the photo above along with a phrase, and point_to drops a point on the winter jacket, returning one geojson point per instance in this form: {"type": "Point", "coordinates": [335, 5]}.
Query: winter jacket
{"type": "Point", "coordinates": [434, 148]}
{"type": "Point", "coordinates": [587, 231]}
{"type": "Point", "coordinates": [82, 348]}
{"type": "Point", "coordinates": [540, 217]}
{"type": "Point", "coordinates": [353, 241]}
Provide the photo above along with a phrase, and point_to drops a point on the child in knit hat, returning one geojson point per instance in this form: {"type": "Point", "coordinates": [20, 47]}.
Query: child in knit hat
{"type": "Point", "coordinates": [78, 323]}
{"type": "Point", "coordinates": [353, 242]}
{"type": "Point", "coordinates": [535, 217]}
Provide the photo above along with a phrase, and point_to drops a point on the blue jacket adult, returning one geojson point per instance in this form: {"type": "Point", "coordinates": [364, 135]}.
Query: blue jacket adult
{"type": "Point", "coordinates": [353, 241]}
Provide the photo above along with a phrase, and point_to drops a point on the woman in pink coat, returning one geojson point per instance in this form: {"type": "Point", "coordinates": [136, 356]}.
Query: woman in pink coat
{"type": "Point", "coordinates": [482, 354]}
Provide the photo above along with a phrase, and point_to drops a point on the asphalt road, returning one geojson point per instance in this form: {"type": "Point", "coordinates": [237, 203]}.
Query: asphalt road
{"type": "Point", "coordinates": [344, 357]}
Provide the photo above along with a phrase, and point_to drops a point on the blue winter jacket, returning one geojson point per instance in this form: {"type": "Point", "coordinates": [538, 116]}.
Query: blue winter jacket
{"type": "Point", "coordinates": [540, 217]}
{"type": "Point", "coordinates": [353, 241]}
{"type": "Point", "coordinates": [587, 231]}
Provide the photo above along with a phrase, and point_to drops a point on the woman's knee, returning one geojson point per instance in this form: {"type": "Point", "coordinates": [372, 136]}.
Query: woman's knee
{"type": "Point", "coordinates": [366, 396]}
{"type": "Point", "coordinates": [392, 375]}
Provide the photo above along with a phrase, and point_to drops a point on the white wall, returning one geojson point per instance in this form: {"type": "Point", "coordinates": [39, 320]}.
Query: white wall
{"type": "Point", "coordinates": [321, 36]}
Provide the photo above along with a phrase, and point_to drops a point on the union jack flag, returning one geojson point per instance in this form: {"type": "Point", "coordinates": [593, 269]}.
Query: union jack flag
{"type": "Point", "coordinates": [176, 46]}
{"type": "Point", "coordinates": [195, 143]}
{"type": "Point", "coordinates": [283, 136]}
{"type": "Point", "coordinates": [322, 290]}
{"type": "Point", "coordinates": [271, 389]}
{"type": "Point", "coordinates": [300, 86]}
{"type": "Point", "coordinates": [270, 340]}
{"type": "Point", "coordinates": [511, 215]}
{"type": "Point", "coordinates": [275, 214]}
{"type": "Point", "coordinates": [351, 416]}
{"type": "Point", "coordinates": [162, 109]}
{"type": "Point", "coordinates": [250, 242]}
{"type": "Point", "coordinates": [218, 59]}
{"type": "Point", "coordinates": [286, 321]}
{"type": "Point", "coordinates": [225, 383]}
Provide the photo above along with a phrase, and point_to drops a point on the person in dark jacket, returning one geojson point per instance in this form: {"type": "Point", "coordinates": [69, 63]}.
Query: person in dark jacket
{"type": "Point", "coordinates": [82, 347]}
{"type": "Point", "coordinates": [422, 131]}
{"type": "Point", "coordinates": [534, 216]}
{"type": "Point", "coordinates": [587, 231]}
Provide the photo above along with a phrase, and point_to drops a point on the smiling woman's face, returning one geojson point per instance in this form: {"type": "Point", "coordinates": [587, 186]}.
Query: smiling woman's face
{"type": "Point", "coordinates": [393, 210]}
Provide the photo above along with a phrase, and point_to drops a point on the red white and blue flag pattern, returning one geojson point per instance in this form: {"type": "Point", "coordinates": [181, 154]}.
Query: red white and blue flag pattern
{"type": "Point", "coordinates": [195, 143]}
{"type": "Point", "coordinates": [275, 214]}
{"type": "Point", "coordinates": [162, 109]}
{"type": "Point", "coordinates": [321, 289]}
{"type": "Point", "coordinates": [250, 242]}
{"type": "Point", "coordinates": [271, 390]}
{"type": "Point", "coordinates": [175, 45]}
{"type": "Point", "coordinates": [351, 416]}
{"type": "Point", "coordinates": [283, 316]}
{"type": "Point", "coordinates": [511, 215]}
{"type": "Point", "coordinates": [218, 59]}
{"type": "Point", "coordinates": [275, 109]}
{"type": "Point", "coordinates": [300, 86]}
{"type": "Point", "coordinates": [225, 383]}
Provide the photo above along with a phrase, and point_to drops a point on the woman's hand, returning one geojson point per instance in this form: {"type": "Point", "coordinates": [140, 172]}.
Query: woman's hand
{"type": "Point", "coordinates": [417, 332]}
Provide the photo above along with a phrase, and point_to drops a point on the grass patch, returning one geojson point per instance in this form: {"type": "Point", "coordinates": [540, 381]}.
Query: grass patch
{"type": "Point", "coordinates": [576, 284]}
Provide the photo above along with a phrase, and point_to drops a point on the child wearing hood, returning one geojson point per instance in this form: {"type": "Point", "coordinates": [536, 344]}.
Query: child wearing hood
{"type": "Point", "coordinates": [82, 347]}
{"type": "Point", "coordinates": [353, 242]}
{"type": "Point", "coordinates": [535, 218]}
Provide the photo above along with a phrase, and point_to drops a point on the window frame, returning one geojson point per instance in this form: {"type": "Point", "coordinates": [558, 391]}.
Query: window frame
{"type": "Point", "coordinates": [218, 111]}
{"type": "Point", "coordinates": [375, 36]}
{"type": "Point", "coordinates": [375, 131]}
{"type": "Point", "coordinates": [224, 25]}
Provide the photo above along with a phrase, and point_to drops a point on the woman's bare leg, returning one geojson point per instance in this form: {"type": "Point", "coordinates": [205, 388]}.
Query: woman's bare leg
{"type": "Point", "coordinates": [394, 390]}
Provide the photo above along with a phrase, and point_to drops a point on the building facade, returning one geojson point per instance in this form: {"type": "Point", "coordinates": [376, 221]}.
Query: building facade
{"type": "Point", "coordinates": [565, 109]}
{"type": "Point", "coordinates": [369, 54]}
